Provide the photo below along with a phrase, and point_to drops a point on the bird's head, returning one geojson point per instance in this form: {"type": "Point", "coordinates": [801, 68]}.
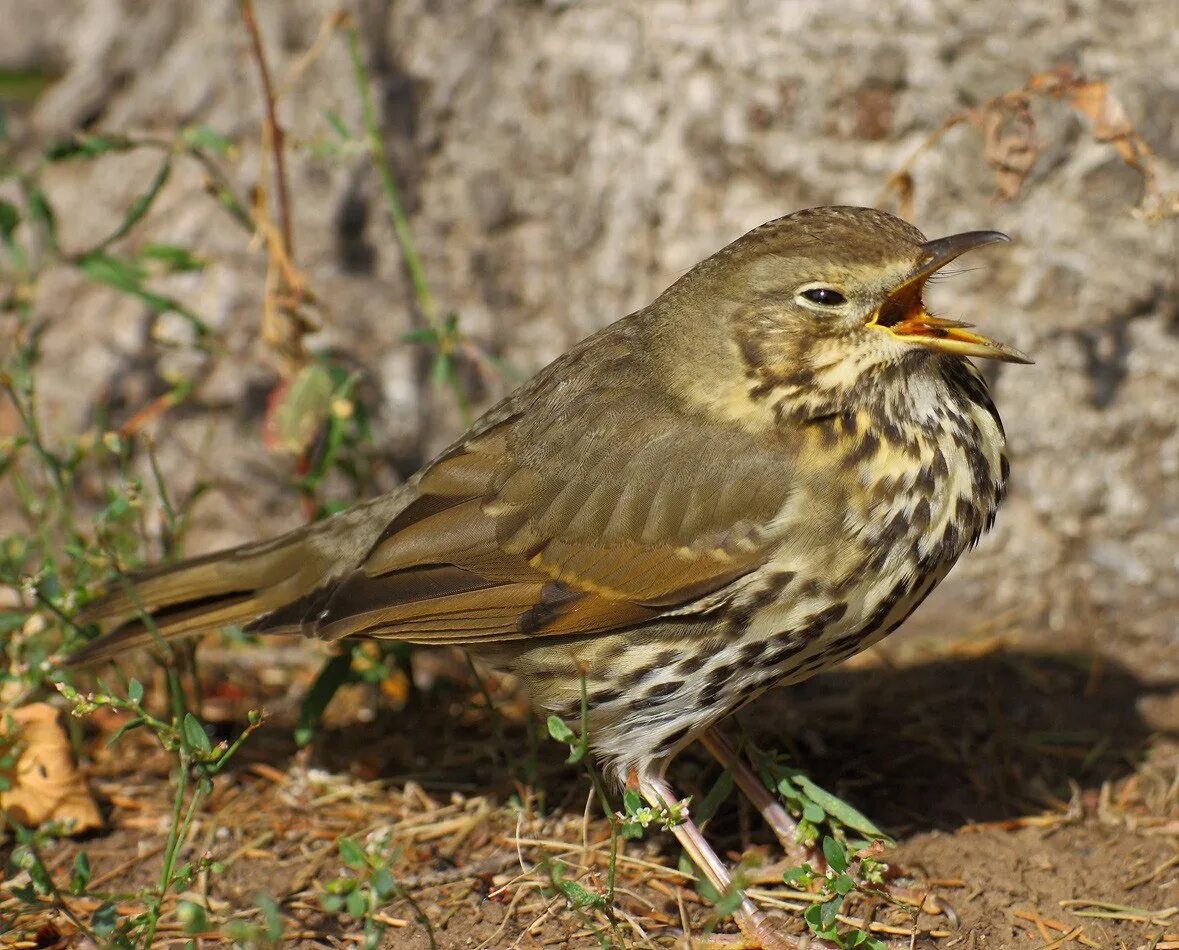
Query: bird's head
{"type": "Point", "coordinates": [828, 297]}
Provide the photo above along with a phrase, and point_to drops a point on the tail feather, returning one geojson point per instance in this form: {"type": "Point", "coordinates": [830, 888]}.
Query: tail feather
{"type": "Point", "coordinates": [272, 586]}
{"type": "Point", "coordinates": [205, 593]}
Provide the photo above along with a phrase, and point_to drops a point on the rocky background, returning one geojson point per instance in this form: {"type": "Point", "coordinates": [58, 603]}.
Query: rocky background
{"type": "Point", "coordinates": [562, 162]}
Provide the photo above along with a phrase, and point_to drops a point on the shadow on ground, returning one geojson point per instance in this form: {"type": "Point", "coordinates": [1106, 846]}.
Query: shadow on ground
{"type": "Point", "coordinates": [929, 746]}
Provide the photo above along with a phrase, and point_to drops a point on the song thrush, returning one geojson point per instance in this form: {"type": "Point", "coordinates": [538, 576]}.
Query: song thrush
{"type": "Point", "coordinates": [761, 473]}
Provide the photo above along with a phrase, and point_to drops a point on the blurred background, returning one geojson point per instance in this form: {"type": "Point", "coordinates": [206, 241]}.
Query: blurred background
{"type": "Point", "coordinates": [562, 162]}
{"type": "Point", "coordinates": [273, 263]}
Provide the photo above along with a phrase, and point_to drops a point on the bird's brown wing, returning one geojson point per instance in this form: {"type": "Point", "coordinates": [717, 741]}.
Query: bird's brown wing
{"type": "Point", "coordinates": [601, 516]}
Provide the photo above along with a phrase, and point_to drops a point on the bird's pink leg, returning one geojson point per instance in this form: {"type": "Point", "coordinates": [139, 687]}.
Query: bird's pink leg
{"type": "Point", "coordinates": [775, 815]}
{"type": "Point", "coordinates": [755, 925]}
{"type": "Point", "coordinates": [784, 826]}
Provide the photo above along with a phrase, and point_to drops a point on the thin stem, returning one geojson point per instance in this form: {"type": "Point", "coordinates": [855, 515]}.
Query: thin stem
{"type": "Point", "coordinates": [153, 914]}
{"type": "Point", "coordinates": [376, 147]}
{"type": "Point", "coordinates": [274, 131]}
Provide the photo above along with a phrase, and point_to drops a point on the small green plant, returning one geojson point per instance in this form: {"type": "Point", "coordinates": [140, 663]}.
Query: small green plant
{"type": "Point", "coordinates": [845, 874]}
{"type": "Point", "coordinates": [197, 762]}
{"type": "Point", "coordinates": [366, 886]}
{"type": "Point", "coordinates": [814, 807]}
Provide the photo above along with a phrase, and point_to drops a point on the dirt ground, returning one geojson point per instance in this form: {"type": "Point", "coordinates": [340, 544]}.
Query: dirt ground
{"type": "Point", "coordinates": [1030, 777]}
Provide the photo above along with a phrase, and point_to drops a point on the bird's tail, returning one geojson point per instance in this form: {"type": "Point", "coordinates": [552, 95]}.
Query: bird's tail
{"type": "Point", "coordinates": [270, 586]}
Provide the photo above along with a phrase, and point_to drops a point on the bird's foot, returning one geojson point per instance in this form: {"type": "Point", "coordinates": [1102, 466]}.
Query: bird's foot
{"type": "Point", "coordinates": [759, 930]}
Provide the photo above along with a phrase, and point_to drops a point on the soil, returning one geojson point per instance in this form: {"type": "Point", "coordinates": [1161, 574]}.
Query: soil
{"type": "Point", "coordinates": [1028, 776]}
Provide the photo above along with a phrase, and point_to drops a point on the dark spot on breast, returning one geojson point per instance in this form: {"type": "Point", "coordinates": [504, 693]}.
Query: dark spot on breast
{"type": "Point", "coordinates": [602, 696]}
{"type": "Point", "coordinates": [737, 618]}
{"type": "Point", "coordinates": [865, 449]}
{"type": "Point", "coordinates": [892, 432]}
{"type": "Point", "coordinates": [780, 654]}
{"type": "Point", "coordinates": [980, 474]}
{"type": "Point", "coordinates": [950, 542]}
{"type": "Point", "coordinates": [925, 481]}
{"type": "Point", "coordinates": [1004, 467]}
{"type": "Point", "coordinates": [921, 515]}
{"type": "Point", "coordinates": [664, 689]}
{"type": "Point", "coordinates": [634, 678]}
{"type": "Point", "coordinates": [830, 615]}
{"type": "Point", "coordinates": [884, 489]}
{"type": "Point", "coordinates": [691, 664]}
{"type": "Point", "coordinates": [938, 464]}
{"type": "Point", "coordinates": [720, 676]}
{"type": "Point", "coordinates": [896, 530]}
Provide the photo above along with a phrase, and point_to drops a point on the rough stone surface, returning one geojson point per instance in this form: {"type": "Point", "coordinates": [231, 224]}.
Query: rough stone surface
{"type": "Point", "coordinates": [564, 161]}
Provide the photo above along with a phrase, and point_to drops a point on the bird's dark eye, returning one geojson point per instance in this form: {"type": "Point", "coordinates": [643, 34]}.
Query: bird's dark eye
{"type": "Point", "coordinates": [825, 296]}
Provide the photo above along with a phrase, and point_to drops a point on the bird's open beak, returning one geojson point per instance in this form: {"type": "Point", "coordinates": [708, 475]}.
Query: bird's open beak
{"type": "Point", "coordinates": [903, 314]}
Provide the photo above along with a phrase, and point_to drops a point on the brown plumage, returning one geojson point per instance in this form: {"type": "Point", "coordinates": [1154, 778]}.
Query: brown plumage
{"type": "Point", "coordinates": [759, 474]}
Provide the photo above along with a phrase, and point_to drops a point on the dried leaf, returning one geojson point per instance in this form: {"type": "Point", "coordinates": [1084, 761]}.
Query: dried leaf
{"type": "Point", "coordinates": [44, 783]}
{"type": "Point", "coordinates": [1009, 144]}
{"type": "Point", "coordinates": [1095, 102]}
{"type": "Point", "coordinates": [297, 410]}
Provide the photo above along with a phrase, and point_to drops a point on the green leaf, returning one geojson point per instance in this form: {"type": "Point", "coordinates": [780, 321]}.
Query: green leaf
{"type": "Point", "coordinates": [337, 124]}
{"type": "Point", "coordinates": [270, 914]}
{"type": "Point", "coordinates": [128, 277]}
{"type": "Point", "coordinates": [632, 801]}
{"type": "Point", "coordinates": [9, 220]}
{"type": "Point", "coordinates": [382, 883]}
{"type": "Point", "coordinates": [843, 885]}
{"type": "Point", "coordinates": [195, 735]}
{"type": "Point", "coordinates": [711, 802]}
{"type": "Point", "coordinates": [26, 893]}
{"type": "Point", "coordinates": [837, 808]}
{"type": "Point", "coordinates": [820, 919]}
{"type": "Point", "coordinates": [813, 812]}
{"type": "Point", "coordinates": [202, 137]}
{"type": "Point", "coordinates": [11, 620]}
{"type": "Point", "coordinates": [104, 269]}
{"type": "Point", "coordinates": [87, 146]}
{"type": "Point", "coordinates": [357, 904]}
{"type": "Point", "coordinates": [559, 731]}
{"type": "Point", "coordinates": [302, 408]}
{"type": "Point", "coordinates": [800, 876]}
{"type": "Point", "coordinates": [40, 876]}
{"type": "Point", "coordinates": [104, 919]}
{"type": "Point", "coordinates": [332, 675]}
{"type": "Point", "coordinates": [630, 830]}
{"type": "Point", "coordinates": [41, 212]}
{"type": "Point", "coordinates": [176, 258]}
{"type": "Point", "coordinates": [579, 896]}
{"type": "Point", "coordinates": [192, 917]}
{"type": "Point", "coordinates": [80, 876]}
{"type": "Point", "coordinates": [135, 691]}
{"type": "Point", "coordinates": [141, 205]}
{"type": "Point", "coordinates": [442, 368]}
{"type": "Point", "coordinates": [835, 855]}
{"type": "Point", "coordinates": [352, 854]}
{"type": "Point", "coordinates": [790, 793]}
{"type": "Point", "coordinates": [829, 911]}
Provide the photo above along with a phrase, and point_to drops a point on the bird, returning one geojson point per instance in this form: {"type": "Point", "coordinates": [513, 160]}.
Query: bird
{"type": "Point", "coordinates": [759, 474]}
